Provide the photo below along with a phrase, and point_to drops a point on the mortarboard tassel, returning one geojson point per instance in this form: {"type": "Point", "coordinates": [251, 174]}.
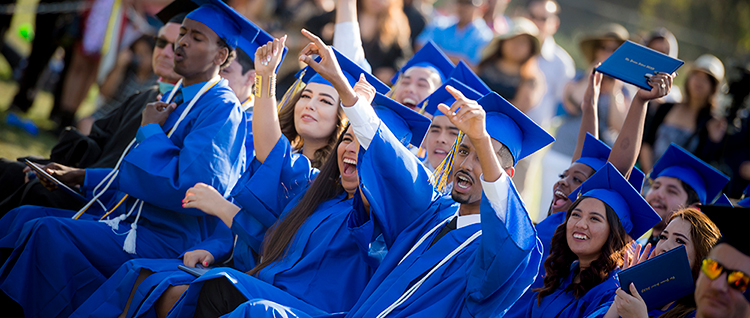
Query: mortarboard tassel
{"type": "Point", "coordinates": [291, 91]}
{"type": "Point", "coordinates": [439, 178]}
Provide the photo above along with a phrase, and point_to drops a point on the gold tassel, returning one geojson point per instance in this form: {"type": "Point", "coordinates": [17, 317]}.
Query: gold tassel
{"type": "Point", "coordinates": [439, 178]}
{"type": "Point", "coordinates": [291, 91]}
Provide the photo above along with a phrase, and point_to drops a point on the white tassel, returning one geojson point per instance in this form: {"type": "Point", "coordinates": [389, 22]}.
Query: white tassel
{"type": "Point", "coordinates": [115, 222]}
{"type": "Point", "coordinates": [129, 245]}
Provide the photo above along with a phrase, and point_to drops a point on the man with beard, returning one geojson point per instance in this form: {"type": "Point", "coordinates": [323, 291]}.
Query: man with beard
{"type": "Point", "coordinates": [196, 134]}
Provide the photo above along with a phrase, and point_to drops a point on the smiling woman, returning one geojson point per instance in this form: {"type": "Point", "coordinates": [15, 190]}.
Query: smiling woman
{"type": "Point", "coordinates": [315, 122]}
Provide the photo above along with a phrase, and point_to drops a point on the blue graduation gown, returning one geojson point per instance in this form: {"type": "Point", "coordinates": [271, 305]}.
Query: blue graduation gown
{"type": "Point", "coordinates": [260, 203]}
{"type": "Point", "coordinates": [322, 272]}
{"type": "Point", "coordinates": [58, 262]}
{"type": "Point", "coordinates": [544, 230]}
{"type": "Point", "coordinates": [482, 280]}
{"type": "Point", "coordinates": [562, 303]}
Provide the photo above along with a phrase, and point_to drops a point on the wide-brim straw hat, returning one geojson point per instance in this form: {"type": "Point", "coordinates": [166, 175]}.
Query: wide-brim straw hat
{"type": "Point", "coordinates": [710, 65]}
{"type": "Point", "coordinates": [610, 31]}
{"type": "Point", "coordinates": [518, 26]}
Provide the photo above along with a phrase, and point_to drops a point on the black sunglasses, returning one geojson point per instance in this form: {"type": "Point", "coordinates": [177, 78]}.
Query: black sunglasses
{"type": "Point", "coordinates": [162, 43]}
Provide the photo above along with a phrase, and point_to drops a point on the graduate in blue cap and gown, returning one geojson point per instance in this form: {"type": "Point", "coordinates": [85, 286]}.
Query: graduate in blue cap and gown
{"type": "Point", "coordinates": [196, 134]}
{"type": "Point", "coordinates": [308, 258]}
{"type": "Point", "coordinates": [420, 76]}
{"type": "Point", "coordinates": [588, 248]}
{"type": "Point", "coordinates": [152, 276]}
{"type": "Point", "coordinates": [678, 180]}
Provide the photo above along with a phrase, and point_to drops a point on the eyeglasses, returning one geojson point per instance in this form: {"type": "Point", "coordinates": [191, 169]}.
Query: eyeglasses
{"type": "Point", "coordinates": [736, 279]}
{"type": "Point", "coordinates": [162, 43]}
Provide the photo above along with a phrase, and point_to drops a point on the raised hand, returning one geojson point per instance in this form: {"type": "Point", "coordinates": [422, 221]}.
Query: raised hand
{"type": "Point", "coordinates": [591, 95]}
{"type": "Point", "coordinates": [364, 89]}
{"type": "Point", "coordinates": [328, 67]}
{"type": "Point", "coordinates": [466, 114]}
{"type": "Point", "coordinates": [156, 112]}
{"type": "Point", "coordinates": [268, 56]}
{"type": "Point", "coordinates": [203, 257]}
{"type": "Point", "coordinates": [636, 256]}
{"type": "Point", "coordinates": [661, 84]}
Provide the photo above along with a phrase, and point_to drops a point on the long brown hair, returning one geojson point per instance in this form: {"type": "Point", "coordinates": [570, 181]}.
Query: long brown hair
{"type": "Point", "coordinates": [528, 69]}
{"type": "Point", "coordinates": [393, 26]}
{"type": "Point", "coordinates": [704, 234]}
{"type": "Point", "coordinates": [557, 265]}
{"type": "Point", "coordinates": [326, 186]}
{"type": "Point", "coordinates": [286, 121]}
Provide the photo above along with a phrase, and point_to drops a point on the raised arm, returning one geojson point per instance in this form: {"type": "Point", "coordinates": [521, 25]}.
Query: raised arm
{"type": "Point", "coordinates": [509, 253]}
{"type": "Point", "coordinates": [266, 127]}
{"type": "Point", "coordinates": [589, 113]}
{"type": "Point", "coordinates": [346, 35]}
{"type": "Point", "coordinates": [625, 150]}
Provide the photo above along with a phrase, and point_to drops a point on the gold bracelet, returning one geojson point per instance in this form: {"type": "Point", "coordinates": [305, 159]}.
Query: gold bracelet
{"type": "Point", "coordinates": [258, 88]}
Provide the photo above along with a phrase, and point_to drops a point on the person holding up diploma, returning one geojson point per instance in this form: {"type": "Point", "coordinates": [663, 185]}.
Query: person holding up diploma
{"type": "Point", "coordinates": [687, 227]}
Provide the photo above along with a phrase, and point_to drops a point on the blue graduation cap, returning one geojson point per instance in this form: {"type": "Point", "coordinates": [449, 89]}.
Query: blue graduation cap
{"type": "Point", "coordinates": [407, 125]}
{"type": "Point", "coordinates": [464, 74]}
{"type": "Point", "coordinates": [441, 95]}
{"type": "Point", "coordinates": [609, 186]}
{"type": "Point", "coordinates": [429, 56]}
{"type": "Point", "coordinates": [723, 200]}
{"type": "Point", "coordinates": [595, 154]}
{"type": "Point", "coordinates": [350, 69]}
{"type": "Point", "coordinates": [227, 23]}
{"type": "Point", "coordinates": [175, 8]}
{"type": "Point", "coordinates": [508, 125]}
{"type": "Point", "coordinates": [680, 164]}
{"type": "Point", "coordinates": [262, 39]}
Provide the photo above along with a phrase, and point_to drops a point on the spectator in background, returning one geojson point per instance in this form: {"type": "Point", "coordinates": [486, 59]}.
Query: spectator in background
{"type": "Point", "coordinates": [384, 29]}
{"type": "Point", "coordinates": [554, 62]}
{"type": "Point", "coordinates": [685, 123]}
{"type": "Point", "coordinates": [417, 20]}
{"type": "Point", "coordinates": [495, 16]}
{"type": "Point", "coordinates": [462, 36]}
{"type": "Point", "coordinates": [660, 39]}
{"type": "Point", "coordinates": [132, 73]}
{"type": "Point", "coordinates": [596, 47]}
{"type": "Point", "coordinates": [509, 68]}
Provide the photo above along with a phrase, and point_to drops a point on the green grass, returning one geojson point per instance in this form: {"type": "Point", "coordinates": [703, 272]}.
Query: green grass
{"type": "Point", "coordinates": [15, 142]}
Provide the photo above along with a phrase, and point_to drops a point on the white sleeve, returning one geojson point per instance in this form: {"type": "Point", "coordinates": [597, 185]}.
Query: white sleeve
{"type": "Point", "coordinates": [497, 193]}
{"type": "Point", "coordinates": [364, 121]}
{"type": "Point", "coordinates": [347, 39]}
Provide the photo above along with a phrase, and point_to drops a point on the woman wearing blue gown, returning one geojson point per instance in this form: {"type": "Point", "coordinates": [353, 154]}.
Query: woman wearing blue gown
{"type": "Point", "coordinates": [588, 249]}
{"type": "Point", "coordinates": [688, 227]}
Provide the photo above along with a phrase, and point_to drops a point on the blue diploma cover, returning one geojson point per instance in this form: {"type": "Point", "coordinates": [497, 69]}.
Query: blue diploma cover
{"type": "Point", "coordinates": [631, 63]}
{"type": "Point", "coordinates": [661, 279]}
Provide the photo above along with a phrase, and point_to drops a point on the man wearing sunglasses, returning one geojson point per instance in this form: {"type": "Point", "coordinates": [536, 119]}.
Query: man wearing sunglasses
{"type": "Point", "coordinates": [722, 286]}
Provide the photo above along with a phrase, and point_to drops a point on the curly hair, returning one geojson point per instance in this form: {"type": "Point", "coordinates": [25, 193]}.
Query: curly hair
{"type": "Point", "coordinates": [704, 234]}
{"type": "Point", "coordinates": [557, 265]}
{"type": "Point", "coordinates": [286, 121]}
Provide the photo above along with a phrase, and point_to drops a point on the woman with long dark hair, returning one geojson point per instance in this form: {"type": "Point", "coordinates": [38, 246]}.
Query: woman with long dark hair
{"type": "Point", "coordinates": [688, 227]}
{"type": "Point", "coordinates": [588, 249]}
